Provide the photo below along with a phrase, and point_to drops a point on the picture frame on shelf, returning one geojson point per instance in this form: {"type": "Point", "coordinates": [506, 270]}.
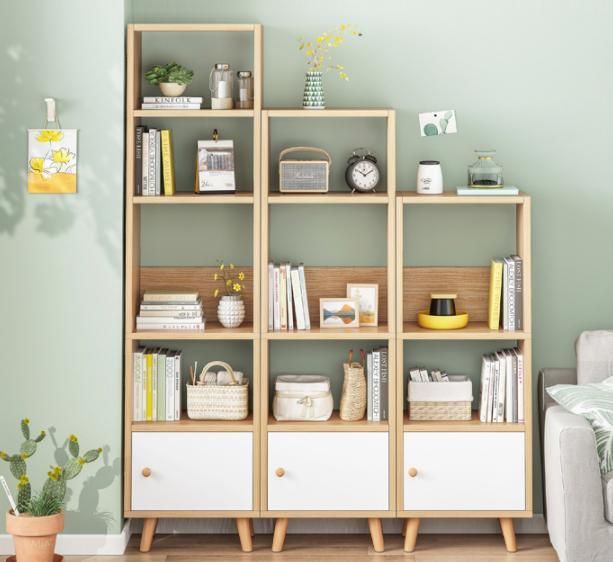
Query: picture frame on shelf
{"type": "Point", "coordinates": [367, 296]}
{"type": "Point", "coordinates": [215, 161]}
{"type": "Point", "coordinates": [339, 313]}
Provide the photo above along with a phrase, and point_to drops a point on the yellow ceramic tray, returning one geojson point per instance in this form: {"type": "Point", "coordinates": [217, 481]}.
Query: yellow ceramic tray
{"type": "Point", "coordinates": [456, 322]}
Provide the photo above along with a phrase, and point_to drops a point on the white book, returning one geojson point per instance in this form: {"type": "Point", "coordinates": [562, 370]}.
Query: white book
{"type": "Point", "coordinates": [502, 386]}
{"type": "Point", "coordinates": [170, 307]}
{"type": "Point", "coordinates": [168, 100]}
{"type": "Point", "coordinates": [520, 386]}
{"type": "Point", "coordinates": [170, 385]}
{"type": "Point", "coordinates": [508, 407]}
{"type": "Point", "coordinates": [483, 192]}
{"type": "Point", "coordinates": [158, 164]}
{"type": "Point", "coordinates": [170, 314]}
{"type": "Point", "coordinates": [276, 296]}
{"type": "Point", "coordinates": [414, 375]}
{"type": "Point", "coordinates": [178, 386]}
{"type": "Point", "coordinates": [305, 298]}
{"type": "Point", "coordinates": [283, 296]}
{"type": "Point", "coordinates": [369, 388]}
{"type": "Point", "coordinates": [138, 361]}
{"type": "Point", "coordinates": [170, 326]}
{"type": "Point", "coordinates": [152, 162]}
{"type": "Point", "coordinates": [492, 403]}
{"type": "Point", "coordinates": [171, 297]}
{"type": "Point", "coordinates": [423, 373]}
{"type": "Point", "coordinates": [145, 161]}
{"type": "Point", "coordinates": [298, 303]}
{"type": "Point", "coordinates": [444, 377]}
{"type": "Point", "coordinates": [486, 373]}
{"type": "Point", "coordinates": [505, 295]}
{"type": "Point", "coordinates": [154, 387]}
{"type": "Point", "coordinates": [170, 319]}
{"type": "Point", "coordinates": [168, 106]}
{"type": "Point", "coordinates": [376, 386]}
{"type": "Point", "coordinates": [271, 303]}
{"type": "Point", "coordinates": [510, 268]}
{"type": "Point", "coordinates": [290, 308]}
{"type": "Point", "coordinates": [436, 375]}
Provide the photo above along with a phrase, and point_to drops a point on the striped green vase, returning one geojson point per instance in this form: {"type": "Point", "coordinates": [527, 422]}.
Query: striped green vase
{"type": "Point", "coordinates": [313, 91]}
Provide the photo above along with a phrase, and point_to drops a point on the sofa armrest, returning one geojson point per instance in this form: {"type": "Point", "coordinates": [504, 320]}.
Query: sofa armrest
{"type": "Point", "coordinates": [550, 377]}
{"type": "Point", "coordinates": [575, 505]}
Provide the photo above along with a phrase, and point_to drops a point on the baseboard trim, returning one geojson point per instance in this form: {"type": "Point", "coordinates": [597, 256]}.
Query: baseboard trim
{"type": "Point", "coordinates": [82, 545]}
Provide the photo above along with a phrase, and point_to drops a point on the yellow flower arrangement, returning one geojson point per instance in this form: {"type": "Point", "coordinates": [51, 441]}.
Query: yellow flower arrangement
{"type": "Point", "coordinates": [317, 51]}
{"type": "Point", "coordinates": [232, 281]}
{"type": "Point", "coordinates": [50, 135]}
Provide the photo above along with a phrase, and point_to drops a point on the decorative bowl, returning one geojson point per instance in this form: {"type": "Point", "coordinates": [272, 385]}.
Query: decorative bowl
{"type": "Point", "coordinates": [456, 322]}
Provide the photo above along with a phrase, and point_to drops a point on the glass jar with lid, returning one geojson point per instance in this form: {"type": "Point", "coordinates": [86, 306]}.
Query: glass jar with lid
{"type": "Point", "coordinates": [220, 84]}
{"type": "Point", "coordinates": [485, 172]}
{"type": "Point", "coordinates": [244, 98]}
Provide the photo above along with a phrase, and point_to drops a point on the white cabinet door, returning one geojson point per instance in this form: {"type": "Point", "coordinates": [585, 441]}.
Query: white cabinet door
{"type": "Point", "coordinates": [328, 471]}
{"type": "Point", "coordinates": [192, 471]}
{"type": "Point", "coordinates": [464, 471]}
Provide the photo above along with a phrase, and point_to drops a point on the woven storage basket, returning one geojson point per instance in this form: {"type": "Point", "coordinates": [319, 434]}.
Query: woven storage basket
{"type": "Point", "coordinates": [441, 401]}
{"type": "Point", "coordinates": [440, 411]}
{"type": "Point", "coordinates": [353, 397]}
{"type": "Point", "coordinates": [215, 401]}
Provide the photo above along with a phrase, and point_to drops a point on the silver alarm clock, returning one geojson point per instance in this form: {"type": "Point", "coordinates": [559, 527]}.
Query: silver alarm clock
{"type": "Point", "coordinates": [362, 172]}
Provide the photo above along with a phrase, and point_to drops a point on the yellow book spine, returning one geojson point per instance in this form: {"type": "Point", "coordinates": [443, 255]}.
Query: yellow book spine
{"type": "Point", "coordinates": [167, 166]}
{"type": "Point", "coordinates": [149, 388]}
{"type": "Point", "coordinates": [495, 294]}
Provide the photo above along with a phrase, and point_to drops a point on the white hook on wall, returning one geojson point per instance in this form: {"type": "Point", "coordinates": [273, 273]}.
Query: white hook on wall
{"type": "Point", "coordinates": [52, 112]}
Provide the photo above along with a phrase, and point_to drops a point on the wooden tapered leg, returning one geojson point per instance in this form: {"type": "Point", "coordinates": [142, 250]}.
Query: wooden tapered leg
{"type": "Point", "coordinates": [508, 533]}
{"type": "Point", "coordinates": [146, 538]}
{"type": "Point", "coordinates": [251, 528]}
{"type": "Point", "coordinates": [244, 534]}
{"type": "Point", "coordinates": [410, 537]}
{"type": "Point", "coordinates": [376, 534]}
{"type": "Point", "coordinates": [405, 524]}
{"type": "Point", "coordinates": [278, 539]}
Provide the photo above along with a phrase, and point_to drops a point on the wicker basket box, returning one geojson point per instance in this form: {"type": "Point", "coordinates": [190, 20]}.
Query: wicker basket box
{"type": "Point", "coordinates": [441, 401]}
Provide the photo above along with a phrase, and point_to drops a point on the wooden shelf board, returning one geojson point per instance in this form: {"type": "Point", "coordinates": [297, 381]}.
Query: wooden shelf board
{"type": "Point", "coordinates": [332, 197]}
{"type": "Point", "coordinates": [328, 112]}
{"type": "Point", "coordinates": [317, 333]}
{"type": "Point", "coordinates": [210, 113]}
{"type": "Point", "coordinates": [452, 198]}
{"type": "Point", "coordinates": [181, 27]}
{"type": "Point", "coordinates": [185, 424]}
{"type": "Point", "coordinates": [212, 331]}
{"type": "Point", "coordinates": [474, 331]}
{"type": "Point", "coordinates": [187, 198]}
{"type": "Point", "coordinates": [333, 424]}
{"type": "Point", "coordinates": [473, 425]}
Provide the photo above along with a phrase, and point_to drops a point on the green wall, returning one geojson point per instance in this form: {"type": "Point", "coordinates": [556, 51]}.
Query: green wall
{"type": "Point", "coordinates": [531, 79]}
{"type": "Point", "coordinates": [61, 281]}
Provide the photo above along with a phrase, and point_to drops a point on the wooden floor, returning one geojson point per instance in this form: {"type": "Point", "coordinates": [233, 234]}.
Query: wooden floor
{"type": "Point", "coordinates": [334, 548]}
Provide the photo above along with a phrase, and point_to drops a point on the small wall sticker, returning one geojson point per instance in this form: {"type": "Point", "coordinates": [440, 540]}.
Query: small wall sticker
{"type": "Point", "coordinates": [438, 123]}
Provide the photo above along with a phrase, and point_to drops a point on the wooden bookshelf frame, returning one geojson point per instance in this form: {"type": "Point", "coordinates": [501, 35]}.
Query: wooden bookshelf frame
{"type": "Point", "coordinates": [137, 278]}
{"type": "Point", "coordinates": [465, 279]}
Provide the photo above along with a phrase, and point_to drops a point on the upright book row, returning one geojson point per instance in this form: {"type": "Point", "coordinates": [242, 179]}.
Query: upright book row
{"type": "Point", "coordinates": [377, 384]}
{"type": "Point", "coordinates": [288, 303]}
{"type": "Point", "coordinates": [153, 162]}
{"type": "Point", "coordinates": [506, 294]}
{"type": "Point", "coordinates": [157, 384]}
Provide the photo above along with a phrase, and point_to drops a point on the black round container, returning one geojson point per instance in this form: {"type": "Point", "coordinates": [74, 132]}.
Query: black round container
{"type": "Point", "coordinates": [442, 306]}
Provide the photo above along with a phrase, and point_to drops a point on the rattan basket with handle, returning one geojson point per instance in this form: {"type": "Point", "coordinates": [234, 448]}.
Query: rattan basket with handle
{"type": "Point", "coordinates": [353, 397]}
{"type": "Point", "coordinates": [216, 401]}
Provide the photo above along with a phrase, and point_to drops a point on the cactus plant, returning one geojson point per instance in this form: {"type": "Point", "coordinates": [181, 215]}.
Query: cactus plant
{"type": "Point", "coordinates": [55, 485]}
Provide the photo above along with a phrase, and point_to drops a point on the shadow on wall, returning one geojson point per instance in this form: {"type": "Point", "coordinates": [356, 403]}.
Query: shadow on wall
{"type": "Point", "coordinates": [86, 518]}
{"type": "Point", "coordinates": [100, 166]}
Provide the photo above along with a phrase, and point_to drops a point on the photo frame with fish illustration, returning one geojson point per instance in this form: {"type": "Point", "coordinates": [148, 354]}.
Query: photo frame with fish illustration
{"type": "Point", "coordinates": [339, 313]}
{"type": "Point", "coordinates": [52, 160]}
{"type": "Point", "coordinates": [367, 296]}
{"type": "Point", "coordinates": [438, 123]}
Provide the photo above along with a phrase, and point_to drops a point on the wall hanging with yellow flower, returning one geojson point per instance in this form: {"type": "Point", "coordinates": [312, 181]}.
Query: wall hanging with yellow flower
{"type": "Point", "coordinates": [52, 160]}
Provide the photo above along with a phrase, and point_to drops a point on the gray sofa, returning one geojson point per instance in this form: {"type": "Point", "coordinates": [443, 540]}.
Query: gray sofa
{"type": "Point", "coordinates": [579, 503]}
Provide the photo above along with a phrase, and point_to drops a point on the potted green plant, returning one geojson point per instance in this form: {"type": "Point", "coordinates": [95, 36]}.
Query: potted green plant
{"type": "Point", "coordinates": [40, 516]}
{"type": "Point", "coordinates": [172, 78]}
{"type": "Point", "coordinates": [318, 59]}
{"type": "Point", "coordinates": [231, 308]}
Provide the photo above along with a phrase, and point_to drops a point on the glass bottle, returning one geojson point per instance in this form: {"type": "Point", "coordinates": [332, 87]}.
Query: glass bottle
{"type": "Point", "coordinates": [485, 172]}
{"type": "Point", "coordinates": [244, 98]}
{"type": "Point", "coordinates": [220, 84]}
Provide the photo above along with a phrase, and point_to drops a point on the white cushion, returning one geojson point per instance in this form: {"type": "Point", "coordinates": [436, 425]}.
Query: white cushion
{"type": "Point", "coordinates": [594, 356]}
{"type": "Point", "coordinates": [607, 490]}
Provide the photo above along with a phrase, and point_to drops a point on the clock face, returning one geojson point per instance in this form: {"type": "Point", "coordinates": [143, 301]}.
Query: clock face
{"type": "Point", "coordinates": [364, 175]}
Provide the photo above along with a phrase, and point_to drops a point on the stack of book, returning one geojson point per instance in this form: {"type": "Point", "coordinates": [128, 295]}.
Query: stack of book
{"type": "Point", "coordinates": [153, 166]}
{"type": "Point", "coordinates": [288, 303]}
{"type": "Point", "coordinates": [377, 384]}
{"type": "Point", "coordinates": [502, 387]}
{"type": "Point", "coordinates": [170, 310]}
{"type": "Point", "coordinates": [157, 385]}
{"type": "Point", "coordinates": [165, 102]}
{"type": "Point", "coordinates": [506, 294]}
{"type": "Point", "coordinates": [419, 374]}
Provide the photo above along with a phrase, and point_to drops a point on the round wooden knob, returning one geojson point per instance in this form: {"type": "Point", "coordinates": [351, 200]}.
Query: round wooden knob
{"type": "Point", "coordinates": [280, 472]}
{"type": "Point", "coordinates": [412, 472]}
{"type": "Point", "coordinates": [146, 472]}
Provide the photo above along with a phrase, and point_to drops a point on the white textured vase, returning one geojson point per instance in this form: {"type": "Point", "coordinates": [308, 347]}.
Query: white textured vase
{"type": "Point", "coordinates": [172, 90]}
{"type": "Point", "coordinates": [313, 91]}
{"type": "Point", "coordinates": [231, 311]}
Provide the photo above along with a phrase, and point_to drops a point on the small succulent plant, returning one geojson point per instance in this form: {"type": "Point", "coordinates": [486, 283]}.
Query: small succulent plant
{"type": "Point", "coordinates": [54, 488]}
{"type": "Point", "coordinates": [172, 72]}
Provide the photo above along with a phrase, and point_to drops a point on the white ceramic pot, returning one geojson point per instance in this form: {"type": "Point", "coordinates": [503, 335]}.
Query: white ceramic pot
{"type": "Point", "coordinates": [231, 311]}
{"type": "Point", "coordinates": [429, 177]}
{"type": "Point", "coordinates": [171, 89]}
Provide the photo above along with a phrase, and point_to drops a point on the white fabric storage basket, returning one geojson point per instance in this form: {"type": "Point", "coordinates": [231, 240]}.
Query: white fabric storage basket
{"type": "Point", "coordinates": [444, 401]}
{"type": "Point", "coordinates": [217, 401]}
{"type": "Point", "coordinates": [302, 398]}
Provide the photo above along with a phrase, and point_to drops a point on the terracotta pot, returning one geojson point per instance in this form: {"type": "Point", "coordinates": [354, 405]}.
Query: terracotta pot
{"type": "Point", "coordinates": [34, 537]}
